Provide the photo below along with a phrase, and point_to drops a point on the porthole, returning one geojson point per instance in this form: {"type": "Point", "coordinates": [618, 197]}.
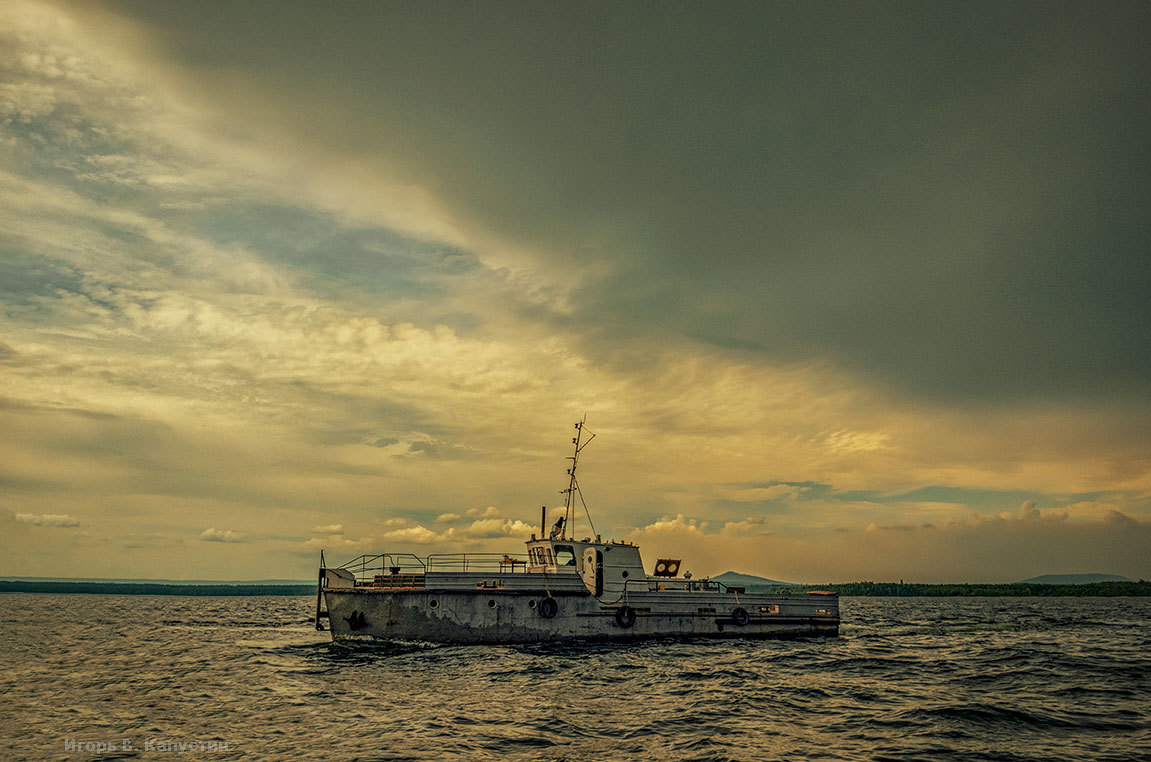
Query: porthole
{"type": "Point", "coordinates": [623, 574]}
{"type": "Point", "coordinates": [434, 604]}
{"type": "Point", "coordinates": [491, 604]}
{"type": "Point", "coordinates": [531, 604]}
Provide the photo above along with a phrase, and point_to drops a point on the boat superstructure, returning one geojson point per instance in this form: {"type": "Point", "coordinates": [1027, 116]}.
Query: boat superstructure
{"type": "Point", "coordinates": [560, 589]}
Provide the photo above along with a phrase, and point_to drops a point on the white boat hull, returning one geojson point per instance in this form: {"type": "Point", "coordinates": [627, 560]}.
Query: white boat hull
{"type": "Point", "coordinates": [520, 615]}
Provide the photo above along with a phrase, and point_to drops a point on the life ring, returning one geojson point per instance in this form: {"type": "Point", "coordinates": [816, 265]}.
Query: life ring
{"type": "Point", "coordinates": [548, 608]}
{"type": "Point", "coordinates": [625, 616]}
{"type": "Point", "coordinates": [739, 616]}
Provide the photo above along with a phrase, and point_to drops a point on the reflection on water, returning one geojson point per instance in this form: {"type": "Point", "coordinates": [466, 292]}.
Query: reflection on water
{"type": "Point", "coordinates": [913, 678]}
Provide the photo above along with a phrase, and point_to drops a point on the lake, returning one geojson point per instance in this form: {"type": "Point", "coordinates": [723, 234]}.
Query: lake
{"type": "Point", "coordinates": [214, 678]}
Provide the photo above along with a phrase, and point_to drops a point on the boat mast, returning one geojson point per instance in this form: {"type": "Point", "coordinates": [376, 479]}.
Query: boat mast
{"type": "Point", "coordinates": [573, 486]}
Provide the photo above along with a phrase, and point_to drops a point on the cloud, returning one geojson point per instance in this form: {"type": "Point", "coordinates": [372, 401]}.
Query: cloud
{"type": "Point", "coordinates": [749, 525]}
{"type": "Point", "coordinates": [340, 544]}
{"type": "Point", "coordinates": [329, 529]}
{"type": "Point", "coordinates": [437, 450]}
{"type": "Point", "coordinates": [447, 518]}
{"type": "Point", "coordinates": [48, 519]}
{"type": "Point", "coordinates": [1028, 511]}
{"type": "Point", "coordinates": [417, 535]}
{"type": "Point", "coordinates": [498, 528]}
{"type": "Point", "coordinates": [942, 211]}
{"type": "Point", "coordinates": [222, 535]}
{"type": "Point", "coordinates": [873, 527]}
{"type": "Point", "coordinates": [679, 526]}
{"type": "Point", "coordinates": [484, 513]}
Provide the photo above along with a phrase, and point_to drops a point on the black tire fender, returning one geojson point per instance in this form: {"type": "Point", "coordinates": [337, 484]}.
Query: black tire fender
{"type": "Point", "coordinates": [548, 608]}
{"type": "Point", "coordinates": [739, 616]}
{"type": "Point", "coordinates": [625, 616]}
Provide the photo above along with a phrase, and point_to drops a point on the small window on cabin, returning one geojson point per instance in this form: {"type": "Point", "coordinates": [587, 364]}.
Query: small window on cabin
{"type": "Point", "coordinates": [564, 555]}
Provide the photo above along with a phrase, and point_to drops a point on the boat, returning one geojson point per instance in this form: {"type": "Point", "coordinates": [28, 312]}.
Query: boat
{"type": "Point", "coordinates": [560, 589]}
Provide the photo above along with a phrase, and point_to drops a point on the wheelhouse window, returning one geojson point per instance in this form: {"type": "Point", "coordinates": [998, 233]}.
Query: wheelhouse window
{"type": "Point", "coordinates": [564, 555]}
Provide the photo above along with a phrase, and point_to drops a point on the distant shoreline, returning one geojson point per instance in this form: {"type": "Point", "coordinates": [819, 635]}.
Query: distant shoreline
{"type": "Point", "coordinates": [848, 589]}
{"type": "Point", "coordinates": [152, 588]}
{"type": "Point", "coordinates": [1138, 589]}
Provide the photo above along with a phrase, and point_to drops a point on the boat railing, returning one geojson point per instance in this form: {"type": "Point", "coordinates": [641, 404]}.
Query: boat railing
{"type": "Point", "coordinates": [366, 567]}
{"type": "Point", "coordinates": [497, 563]}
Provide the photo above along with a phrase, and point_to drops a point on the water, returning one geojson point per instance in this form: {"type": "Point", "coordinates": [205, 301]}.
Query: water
{"type": "Point", "coordinates": [914, 678]}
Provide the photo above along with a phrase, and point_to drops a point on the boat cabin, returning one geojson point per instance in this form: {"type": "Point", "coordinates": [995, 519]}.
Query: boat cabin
{"type": "Point", "coordinates": [601, 565]}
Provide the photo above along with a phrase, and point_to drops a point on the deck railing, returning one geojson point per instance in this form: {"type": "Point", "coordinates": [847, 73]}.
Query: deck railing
{"type": "Point", "coordinates": [495, 563]}
{"type": "Point", "coordinates": [367, 567]}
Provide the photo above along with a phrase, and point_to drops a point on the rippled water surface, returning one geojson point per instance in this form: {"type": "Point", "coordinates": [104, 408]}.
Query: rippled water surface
{"type": "Point", "coordinates": [911, 678]}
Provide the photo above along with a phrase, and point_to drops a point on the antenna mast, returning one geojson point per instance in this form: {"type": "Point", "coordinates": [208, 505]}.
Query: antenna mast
{"type": "Point", "coordinates": [573, 486]}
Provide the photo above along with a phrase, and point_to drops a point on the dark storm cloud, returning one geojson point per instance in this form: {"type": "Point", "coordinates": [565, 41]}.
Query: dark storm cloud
{"type": "Point", "coordinates": [951, 199]}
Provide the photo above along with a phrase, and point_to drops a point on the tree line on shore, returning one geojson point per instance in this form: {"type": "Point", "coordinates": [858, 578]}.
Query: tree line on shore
{"type": "Point", "coordinates": [151, 588]}
{"type": "Point", "coordinates": [1020, 589]}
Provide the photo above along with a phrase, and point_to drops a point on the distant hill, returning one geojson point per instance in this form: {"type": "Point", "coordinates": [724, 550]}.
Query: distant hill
{"type": "Point", "coordinates": [747, 580]}
{"type": "Point", "coordinates": [1073, 579]}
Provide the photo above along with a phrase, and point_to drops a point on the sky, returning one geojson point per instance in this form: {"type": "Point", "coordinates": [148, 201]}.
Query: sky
{"type": "Point", "coordinates": [846, 291]}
